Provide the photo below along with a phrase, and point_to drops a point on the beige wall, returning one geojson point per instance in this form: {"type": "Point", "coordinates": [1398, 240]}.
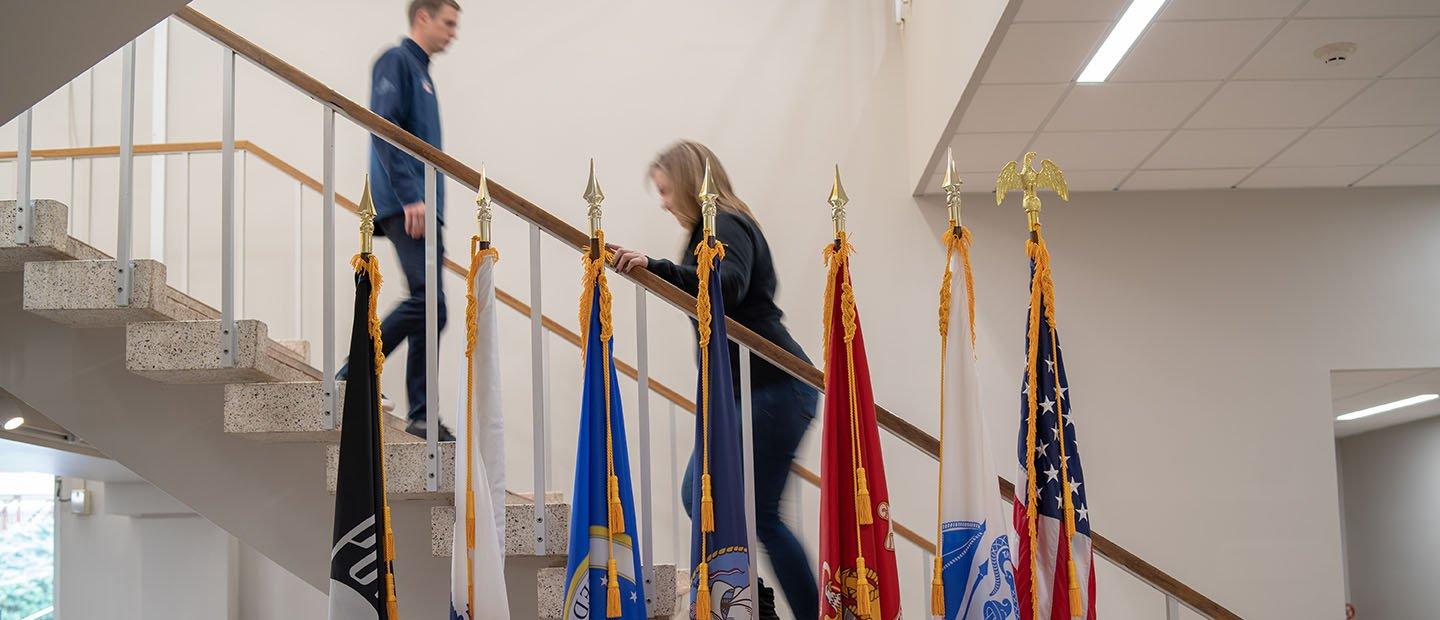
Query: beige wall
{"type": "Point", "coordinates": [1201, 325]}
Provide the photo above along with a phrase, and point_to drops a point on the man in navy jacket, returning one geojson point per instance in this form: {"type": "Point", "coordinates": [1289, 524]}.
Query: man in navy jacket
{"type": "Point", "coordinates": [402, 92]}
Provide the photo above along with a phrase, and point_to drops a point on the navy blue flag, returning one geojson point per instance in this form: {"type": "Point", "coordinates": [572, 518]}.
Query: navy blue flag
{"type": "Point", "coordinates": [592, 545]}
{"type": "Point", "coordinates": [725, 552]}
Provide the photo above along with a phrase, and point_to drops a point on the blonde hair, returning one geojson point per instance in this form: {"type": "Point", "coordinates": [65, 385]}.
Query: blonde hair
{"type": "Point", "coordinates": [684, 163]}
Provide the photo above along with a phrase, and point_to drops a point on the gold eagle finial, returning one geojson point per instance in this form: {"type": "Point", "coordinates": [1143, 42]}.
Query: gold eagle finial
{"type": "Point", "coordinates": [1026, 178]}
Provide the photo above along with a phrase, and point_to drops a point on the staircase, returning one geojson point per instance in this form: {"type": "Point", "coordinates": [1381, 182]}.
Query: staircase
{"type": "Point", "coordinates": [258, 426]}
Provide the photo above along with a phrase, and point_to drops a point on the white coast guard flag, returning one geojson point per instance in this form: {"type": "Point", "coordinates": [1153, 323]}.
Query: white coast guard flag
{"type": "Point", "coordinates": [977, 569]}
{"type": "Point", "coordinates": [486, 452]}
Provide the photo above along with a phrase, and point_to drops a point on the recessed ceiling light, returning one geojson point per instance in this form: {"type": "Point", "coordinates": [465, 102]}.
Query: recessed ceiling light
{"type": "Point", "coordinates": [1399, 404]}
{"type": "Point", "coordinates": [1121, 38]}
{"type": "Point", "coordinates": [14, 423]}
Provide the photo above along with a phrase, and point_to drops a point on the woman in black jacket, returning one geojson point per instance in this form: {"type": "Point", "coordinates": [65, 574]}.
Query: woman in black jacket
{"type": "Point", "coordinates": [782, 405]}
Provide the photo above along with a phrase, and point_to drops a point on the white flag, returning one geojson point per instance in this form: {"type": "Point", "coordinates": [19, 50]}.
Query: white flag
{"type": "Point", "coordinates": [977, 569]}
{"type": "Point", "coordinates": [481, 465]}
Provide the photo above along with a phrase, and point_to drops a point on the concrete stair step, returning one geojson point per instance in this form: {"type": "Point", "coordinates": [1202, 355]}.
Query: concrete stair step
{"type": "Point", "coordinates": [48, 239]}
{"type": "Point", "coordinates": [405, 470]}
{"type": "Point", "coordinates": [519, 526]}
{"type": "Point", "coordinates": [81, 293]}
{"type": "Point", "coordinates": [666, 586]}
{"type": "Point", "coordinates": [189, 352]}
{"type": "Point", "coordinates": [292, 412]}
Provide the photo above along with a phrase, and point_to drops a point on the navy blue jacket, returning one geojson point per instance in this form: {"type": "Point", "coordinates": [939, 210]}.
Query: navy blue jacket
{"type": "Point", "coordinates": [401, 92]}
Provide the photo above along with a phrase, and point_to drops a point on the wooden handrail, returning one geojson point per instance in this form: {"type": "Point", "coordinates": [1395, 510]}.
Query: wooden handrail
{"type": "Point", "coordinates": [682, 301]}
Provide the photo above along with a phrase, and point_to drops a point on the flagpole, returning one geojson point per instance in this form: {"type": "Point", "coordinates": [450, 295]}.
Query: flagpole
{"type": "Point", "coordinates": [367, 262]}
{"type": "Point", "coordinates": [956, 239]}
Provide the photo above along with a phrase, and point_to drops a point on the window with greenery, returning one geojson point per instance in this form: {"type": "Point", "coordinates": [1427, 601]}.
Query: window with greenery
{"type": "Point", "coordinates": [27, 546]}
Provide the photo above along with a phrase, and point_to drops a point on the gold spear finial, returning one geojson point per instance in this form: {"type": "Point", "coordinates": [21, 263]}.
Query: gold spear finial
{"type": "Point", "coordinates": [1026, 178]}
{"type": "Point", "coordinates": [593, 197]}
{"type": "Point", "coordinates": [708, 197]}
{"type": "Point", "coordinates": [951, 184]}
{"type": "Point", "coordinates": [367, 219]}
{"type": "Point", "coordinates": [837, 201]}
{"type": "Point", "coordinates": [483, 213]}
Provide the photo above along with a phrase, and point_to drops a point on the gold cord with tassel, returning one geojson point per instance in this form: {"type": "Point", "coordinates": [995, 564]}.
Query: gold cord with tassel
{"type": "Point", "coordinates": [862, 589]}
{"type": "Point", "coordinates": [615, 519]}
{"type": "Point", "coordinates": [706, 253]}
{"type": "Point", "coordinates": [954, 243]}
{"type": "Point", "coordinates": [367, 263]}
{"type": "Point", "coordinates": [477, 254]}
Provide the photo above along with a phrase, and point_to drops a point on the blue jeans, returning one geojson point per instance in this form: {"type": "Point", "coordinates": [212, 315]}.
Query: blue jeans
{"type": "Point", "coordinates": [784, 410]}
{"type": "Point", "coordinates": [406, 323]}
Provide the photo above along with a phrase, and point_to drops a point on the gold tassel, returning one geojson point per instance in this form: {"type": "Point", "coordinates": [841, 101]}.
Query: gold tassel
{"type": "Point", "coordinates": [389, 537]}
{"type": "Point", "coordinates": [612, 591]}
{"type": "Point", "coordinates": [617, 510]}
{"type": "Point", "coordinates": [391, 605]}
{"type": "Point", "coordinates": [937, 591]}
{"type": "Point", "coordinates": [862, 498]}
{"type": "Point", "coordinates": [707, 505]}
{"type": "Point", "coordinates": [862, 589]}
{"type": "Point", "coordinates": [1076, 605]}
{"type": "Point", "coordinates": [702, 592]}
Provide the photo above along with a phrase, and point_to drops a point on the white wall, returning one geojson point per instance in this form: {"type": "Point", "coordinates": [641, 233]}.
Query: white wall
{"type": "Point", "coordinates": [141, 555]}
{"type": "Point", "coordinates": [1391, 480]}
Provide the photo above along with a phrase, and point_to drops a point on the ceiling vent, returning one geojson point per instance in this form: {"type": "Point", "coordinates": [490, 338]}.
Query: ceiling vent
{"type": "Point", "coordinates": [1335, 53]}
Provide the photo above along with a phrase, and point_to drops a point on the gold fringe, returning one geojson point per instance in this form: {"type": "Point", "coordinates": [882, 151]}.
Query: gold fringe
{"type": "Point", "coordinates": [472, 309]}
{"type": "Point", "coordinates": [862, 498]}
{"type": "Point", "coordinates": [862, 589]}
{"type": "Point", "coordinates": [617, 509]}
{"type": "Point", "coordinates": [612, 590]}
{"type": "Point", "coordinates": [370, 266]}
{"type": "Point", "coordinates": [937, 591]}
{"type": "Point", "coordinates": [707, 505]}
{"type": "Point", "coordinates": [702, 592]}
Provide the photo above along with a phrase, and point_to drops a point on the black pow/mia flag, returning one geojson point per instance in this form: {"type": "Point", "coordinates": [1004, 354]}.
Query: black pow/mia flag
{"type": "Point", "coordinates": [361, 584]}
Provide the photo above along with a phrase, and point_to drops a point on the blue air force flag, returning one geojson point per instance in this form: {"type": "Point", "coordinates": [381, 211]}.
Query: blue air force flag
{"type": "Point", "coordinates": [592, 544]}
{"type": "Point", "coordinates": [725, 551]}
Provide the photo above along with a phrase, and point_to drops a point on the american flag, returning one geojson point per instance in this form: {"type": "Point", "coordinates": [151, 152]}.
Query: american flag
{"type": "Point", "coordinates": [1043, 589]}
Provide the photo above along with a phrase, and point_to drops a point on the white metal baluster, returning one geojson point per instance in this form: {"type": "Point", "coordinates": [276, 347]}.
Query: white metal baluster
{"type": "Point", "coordinates": [70, 203]}
{"type": "Point", "coordinates": [24, 214]}
{"type": "Point", "coordinates": [228, 338]}
{"type": "Point", "coordinates": [244, 240]}
{"type": "Point", "coordinates": [540, 396]}
{"type": "Point", "coordinates": [679, 550]}
{"type": "Point", "coordinates": [642, 366]}
{"type": "Point", "coordinates": [160, 90]}
{"type": "Point", "coordinates": [124, 264]}
{"type": "Point", "coordinates": [432, 332]}
{"type": "Point", "coordinates": [189, 228]}
{"type": "Point", "coordinates": [327, 226]}
{"type": "Point", "coordinates": [747, 436]}
{"type": "Point", "coordinates": [299, 266]}
{"type": "Point", "coordinates": [1172, 608]}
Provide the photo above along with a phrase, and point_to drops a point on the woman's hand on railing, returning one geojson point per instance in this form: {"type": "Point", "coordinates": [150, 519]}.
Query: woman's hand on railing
{"type": "Point", "coordinates": [627, 259]}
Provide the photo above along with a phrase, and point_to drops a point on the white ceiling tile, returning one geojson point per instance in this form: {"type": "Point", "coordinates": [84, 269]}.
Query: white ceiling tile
{"type": "Point", "coordinates": [1381, 43]}
{"type": "Point", "coordinates": [1192, 50]}
{"type": "Point", "coordinates": [1392, 102]}
{"type": "Point", "coordinates": [1228, 9]}
{"type": "Point", "coordinates": [1184, 179]}
{"type": "Point", "coordinates": [1098, 150]}
{"type": "Point", "coordinates": [1370, 8]}
{"type": "Point", "coordinates": [1098, 107]}
{"type": "Point", "coordinates": [1425, 63]}
{"type": "Point", "coordinates": [1070, 10]}
{"type": "Point", "coordinates": [1317, 176]}
{"type": "Point", "coordinates": [1428, 152]}
{"type": "Point", "coordinates": [1092, 180]}
{"type": "Point", "coordinates": [1402, 175]}
{"type": "Point", "coordinates": [1044, 52]}
{"type": "Point", "coordinates": [1274, 104]}
{"type": "Point", "coordinates": [987, 151]}
{"type": "Point", "coordinates": [1221, 148]}
{"type": "Point", "coordinates": [1350, 146]}
{"type": "Point", "coordinates": [1010, 107]}
{"type": "Point", "coordinates": [1345, 384]}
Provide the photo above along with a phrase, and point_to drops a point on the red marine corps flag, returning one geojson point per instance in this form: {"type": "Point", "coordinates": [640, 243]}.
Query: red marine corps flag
{"type": "Point", "coordinates": [857, 542]}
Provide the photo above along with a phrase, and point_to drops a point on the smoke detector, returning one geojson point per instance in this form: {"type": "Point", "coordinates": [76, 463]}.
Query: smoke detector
{"type": "Point", "coordinates": [1335, 53]}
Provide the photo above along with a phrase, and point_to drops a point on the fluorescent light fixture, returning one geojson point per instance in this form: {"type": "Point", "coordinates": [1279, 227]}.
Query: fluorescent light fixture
{"type": "Point", "coordinates": [1126, 31]}
{"type": "Point", "coordinates": [1399, 404]}
{"type": "Point", "coordinates": [14, 423]}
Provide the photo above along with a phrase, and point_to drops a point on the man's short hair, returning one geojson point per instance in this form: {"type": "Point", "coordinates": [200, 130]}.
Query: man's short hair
{"type": "Point", "coordinates": [430, 7]}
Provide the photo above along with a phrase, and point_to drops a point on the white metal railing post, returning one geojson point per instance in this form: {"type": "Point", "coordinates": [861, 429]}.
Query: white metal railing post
{"type": "Point", "coordinates": [679, 551]}
{"type": "Point", "coordinates": [642, 378]}
{"type": "Point", "coordinates": [298, 234]}
{"type": "Point", "coordinates": [125, 226]}
{"type": "Point", "coordinates": [24, 213]}
{"type": "Point", "coordinates": [1172, 608]}
{"type": "Point", "coordinates": [432, 331]}
{"type": "Point", "coordinates": [327, 226]}
{"type": "Point", "coordinates": [539, 404]}
{"type": "Point", "coordinates": [228, 338]}
{"type": "Point", "coordinates": [747, 436]}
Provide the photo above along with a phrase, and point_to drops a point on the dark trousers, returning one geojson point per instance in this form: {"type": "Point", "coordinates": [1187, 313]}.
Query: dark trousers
{"type": "Point", "coordinates": [406, 323]}
{"type": "Point", "coordinates": [784, 411]}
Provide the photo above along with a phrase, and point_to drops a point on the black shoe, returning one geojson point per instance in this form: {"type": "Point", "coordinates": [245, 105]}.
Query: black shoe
{"type": "Point", "coordinates": [417, 428]}
{"type": "Point", "coordinates": [767, 602]}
